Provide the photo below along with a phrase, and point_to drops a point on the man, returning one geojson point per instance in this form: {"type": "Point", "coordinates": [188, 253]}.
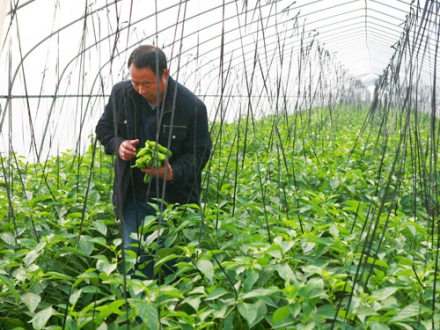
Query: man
{"type": "Point", "coordinates": [153, 106]}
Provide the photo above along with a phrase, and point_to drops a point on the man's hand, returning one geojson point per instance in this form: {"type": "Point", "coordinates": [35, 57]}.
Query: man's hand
{"type": "Point", "coordinates": [127, 149]}
{"type": "Point", "coordinates": [160, 172]}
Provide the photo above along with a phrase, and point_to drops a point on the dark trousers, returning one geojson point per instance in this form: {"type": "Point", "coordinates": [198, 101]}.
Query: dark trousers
{"type": "Point", "coordinates": [134, 213]}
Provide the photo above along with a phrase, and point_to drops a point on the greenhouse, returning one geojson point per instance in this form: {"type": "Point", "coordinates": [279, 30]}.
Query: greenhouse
{"type": "Point", "coordinates": [234, 164]}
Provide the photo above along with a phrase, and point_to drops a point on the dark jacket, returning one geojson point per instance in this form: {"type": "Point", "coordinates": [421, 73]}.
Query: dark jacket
{"type": "Point", "coordinates": [182, 127]}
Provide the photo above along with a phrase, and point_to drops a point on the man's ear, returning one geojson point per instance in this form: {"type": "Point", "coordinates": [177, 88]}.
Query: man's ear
{"type": "Point", "coordinates": [165, 76]}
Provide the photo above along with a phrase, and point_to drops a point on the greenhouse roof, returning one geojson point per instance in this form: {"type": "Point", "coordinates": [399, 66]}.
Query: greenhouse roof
{"type": "Point", "coordinates": [74, 51]}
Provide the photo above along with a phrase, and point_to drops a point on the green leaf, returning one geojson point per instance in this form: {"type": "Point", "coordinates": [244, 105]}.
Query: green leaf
{"type": "Point", "coordinates": [307, 246]}
{"type": "Point", "coordinates": [105, 266]}
{"type": "Point", "coordinates": [383, 294]}
{"type": "Point", "coordinates": [165, 259]}
{"type": "Point", "coordinates": [326, 311]}
{"type": "Point", "coordinates": [207, 325]}
{"type": "Point", "coordinates": [171, 292]}
{"type": "Point", "coordinates": [260, 293]}
{"type": "Point", "coordinates": [86, 245]}
{"type": "Point", "coordinates": [315, 268]}
{"type": "Point", "coordinates": [74, 297]}
{"type": "Point", "coordinates": [374, 325]}
{"type": "Point", "coordinates": [221, 313]}
{"type": "Point", "coordinates": [39, 198]}
{"type": "Point", "coordinates": [334, 230]}
{"type": "Point", "coordinates": [40, 319]}
{"type": "Point", "coordinates": [281, 314]}
{"type": "Point", "coordinates": [67, 250]}
{"type": "Point", "coordinates": [101, 227]}
{"type": "Point", "coordinates": [198, 290]}
{"type": "Point", "coordinates": [112, 308]}
{"type": "Point", "coordinates": [92, 289]}
{"type": "Point", "coordinates": [207, 268]}
{"type": "Point", "coordinates": [31, 300]}
{"type": "Point", "coordinates": [275, 251]}
{"type": "Point", "coordinates": [252, 313]}
{"type": "Point", "coordinates": [192, 205]}
{"type": "Point", "coordinates": [7, 281]}
{"type": "Point", "coordinates": [152, 322]}
{"type": "Point", "coordinates": [59, 276]}
{"type": "Point", "coordinates": [406, 313]}
{"type": "Point", "coordinates": [148, 313]}
{"type": "Point", "coordinates": [249, 312]}
{"type": "Point", "coordinates": [285, 272]}
{"type": "Point", "coordinates": [314, 288]}
{"type": "Point", "coordinates": [30, 258]}
{"type": "Point", "coordinates": [353, 205]}
{"type": "Point", "coordinates": [194, 302]}
{"type": "Point", "coordinates": [217, 293]}
{"type": "Point", "coordinates": [99, 240]}
{"type": "Point", "coordinates": [306, 208]}
{"type": "Point", "coordinates": [228, 323]}
{"type": "Point", "coordinates": [378, 262]}
{"type": "Point", "coordinates": [334, 183]}
{"type": "Point", "coordinates": [151, 238]}
{"type": "Point", "coordinates": [365, 311]}
{"type": "Point", "coordinates": [251, 278]}
{"type": "Point", "coordinates": [75, 215]}
{"type": "Point", "coordinates": [9, 238]}
{"type": "Point", "coordinates": [12, 323]}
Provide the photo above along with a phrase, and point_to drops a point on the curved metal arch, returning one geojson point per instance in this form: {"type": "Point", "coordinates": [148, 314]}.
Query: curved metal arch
{"type": "Point", "coordinates": [250, 64]}
{"type": "Point", "coordinates": [299, 16]}
{"type": "Point", "coordinates": [77, 55]}
{"type": "Point", "coordinates": [14, 10]}
{"type": "Point", "coordinates": [105, 38]}
{"type": "Point", "coordinates": [268, 44]}
{"type": "Point", "coordinates": [39, 44]}
{"type": "Point", "coordinates": [125, 50]}
{"type": "Point", "coordinates": [121, 29]}
{"type": "Point", "coordinates": [234, 40]}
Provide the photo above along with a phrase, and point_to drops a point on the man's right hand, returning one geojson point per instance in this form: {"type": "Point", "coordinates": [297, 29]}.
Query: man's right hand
{"type": "Point", "coordinates": [127, 149]}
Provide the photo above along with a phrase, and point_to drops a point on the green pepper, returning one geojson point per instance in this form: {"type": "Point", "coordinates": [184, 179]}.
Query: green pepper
{"type": "Point", "coordinates": [157, 163]}
{"type": "Point", "coordinates": [161, 156]}
{"type": "Point", "coordinates": [144, 161]}
{"type": "Point", "coordinates": [164, 150]}
{"type": "Point", "coordinates": [152, 144]}
{"type": "Point", "coordinates": [143, 151]}
{"type": "Point", "coordinates": [160, 148]}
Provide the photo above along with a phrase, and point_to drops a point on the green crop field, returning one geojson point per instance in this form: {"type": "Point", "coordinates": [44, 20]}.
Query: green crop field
{"type": "Point", "coordinates": [318, 220]}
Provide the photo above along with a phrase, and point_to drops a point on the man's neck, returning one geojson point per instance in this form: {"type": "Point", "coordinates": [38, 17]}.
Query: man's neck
{"type": "Point", "coordinates": [153, 106]}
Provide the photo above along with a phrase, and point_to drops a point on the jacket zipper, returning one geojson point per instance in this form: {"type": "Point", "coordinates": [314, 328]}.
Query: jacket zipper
{"type": "Point", "coordinates": [172, 126]}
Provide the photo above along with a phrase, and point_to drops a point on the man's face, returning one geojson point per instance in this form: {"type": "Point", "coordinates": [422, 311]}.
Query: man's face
{"type": "Point", "coordinates": [147, 84]}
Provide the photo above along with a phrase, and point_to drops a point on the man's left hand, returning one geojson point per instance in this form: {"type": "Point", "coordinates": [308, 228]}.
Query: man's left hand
{"type": "Point", "coordinates": [160, 172]}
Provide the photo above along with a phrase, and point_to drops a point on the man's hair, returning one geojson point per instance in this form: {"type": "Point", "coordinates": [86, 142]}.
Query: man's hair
{"type": "Point", "coordinates": [148, 56]}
